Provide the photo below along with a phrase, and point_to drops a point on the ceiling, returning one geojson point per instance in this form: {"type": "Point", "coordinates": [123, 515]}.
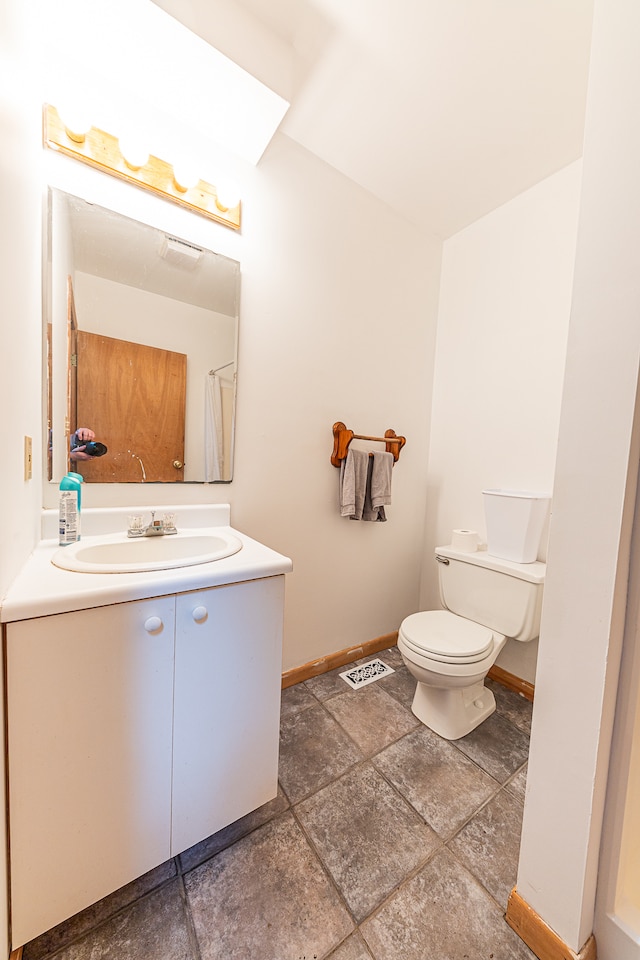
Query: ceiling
{"type": "Point", "coordinates": [443, 109]}
{"type": "Point", "coordinates": [108, 245]}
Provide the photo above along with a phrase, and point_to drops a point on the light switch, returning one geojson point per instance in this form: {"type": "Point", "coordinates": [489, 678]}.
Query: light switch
{"type": "Point", "coordinates": [28, 458]}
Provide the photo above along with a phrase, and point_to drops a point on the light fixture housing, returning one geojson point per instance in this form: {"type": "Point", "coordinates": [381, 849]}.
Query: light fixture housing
{"type": "Point", "coordinates": [102, 151]}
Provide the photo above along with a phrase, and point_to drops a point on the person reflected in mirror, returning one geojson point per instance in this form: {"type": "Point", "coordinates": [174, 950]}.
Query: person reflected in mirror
{"type": "Point", "coordinates": [84, 445]}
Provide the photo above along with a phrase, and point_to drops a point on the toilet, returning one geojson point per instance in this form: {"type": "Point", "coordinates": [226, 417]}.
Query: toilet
{"type": "Point", "coordinates": [449, 652]}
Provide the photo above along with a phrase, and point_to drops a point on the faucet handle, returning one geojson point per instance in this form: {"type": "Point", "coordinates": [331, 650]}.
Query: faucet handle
{"type": "Point", "coordinates": [135, 525]}
{"type": "Point", "coordinates": [169, 522]}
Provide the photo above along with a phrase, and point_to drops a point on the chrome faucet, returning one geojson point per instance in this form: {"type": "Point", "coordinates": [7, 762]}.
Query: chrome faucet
{"type": "Point", "coordinates": [155, 528]}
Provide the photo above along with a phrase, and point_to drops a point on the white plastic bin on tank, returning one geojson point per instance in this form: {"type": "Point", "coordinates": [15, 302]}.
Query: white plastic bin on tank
{"type": "Point", "coordinates": [515, 521]}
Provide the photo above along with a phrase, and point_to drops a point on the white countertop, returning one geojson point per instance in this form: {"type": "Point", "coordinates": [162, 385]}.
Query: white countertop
{"type": "Point", "coordinates": [41, 588]}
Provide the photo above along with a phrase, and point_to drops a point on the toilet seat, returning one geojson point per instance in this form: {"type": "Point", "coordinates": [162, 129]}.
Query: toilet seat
{"type": "Point", "coordinates": [444, 636]}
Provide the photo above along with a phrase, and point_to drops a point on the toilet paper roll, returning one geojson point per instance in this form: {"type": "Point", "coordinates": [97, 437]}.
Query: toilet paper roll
{"type": "Point", "coordinates": [466, 540]}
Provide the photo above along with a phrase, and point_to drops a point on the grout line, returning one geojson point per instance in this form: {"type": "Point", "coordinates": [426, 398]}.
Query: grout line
{"type": "Point", "coordinates": [502, 908]}
{"type": "Point", "coordinates": [410, 875]}
{"type": "Point", "coordinates": [443, 843]}
{"type": "Point", "coordinates": [107, 919]}
{"type": "Point", "coordinates": [371, 757]}
{"type": "Point", "coordinates": [413, 873]}
{"type": "Point", "coordinates": [195, 866]}
{"type": "Point", "coordinates": [325, 869]}
{"type": "Point", "coordinates": [191, 927]}
{"type": "Point", "coordinates": [494, 793]}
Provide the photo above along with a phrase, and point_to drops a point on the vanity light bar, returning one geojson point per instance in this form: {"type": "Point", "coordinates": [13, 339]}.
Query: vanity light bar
{"type": "Point", "coordinates": [102, 151]}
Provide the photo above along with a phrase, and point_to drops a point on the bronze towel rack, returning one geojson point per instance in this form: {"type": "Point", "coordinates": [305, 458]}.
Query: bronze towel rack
{"type": "Point", "coordinates": [343, 437]}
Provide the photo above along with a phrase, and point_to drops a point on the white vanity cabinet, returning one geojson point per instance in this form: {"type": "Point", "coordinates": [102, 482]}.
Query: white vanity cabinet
{"type": "Point", "coordinates": [134, 731]}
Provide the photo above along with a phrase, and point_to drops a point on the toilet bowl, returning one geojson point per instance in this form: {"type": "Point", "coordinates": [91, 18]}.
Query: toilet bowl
{"type": "Point", "coordinates": [449, 656]}
{"type": "Point", "coordinates": [449, 652]}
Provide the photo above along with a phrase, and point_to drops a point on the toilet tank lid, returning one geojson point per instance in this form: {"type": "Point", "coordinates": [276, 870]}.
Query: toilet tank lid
{"type": "Point", "coordinates": [533, 572]}
{"type": "Point", "coordinates": [522, 494]}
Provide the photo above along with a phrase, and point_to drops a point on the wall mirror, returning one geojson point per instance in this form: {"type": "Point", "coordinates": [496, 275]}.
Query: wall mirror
{"type": "Point", "coordinates": [141, 334]}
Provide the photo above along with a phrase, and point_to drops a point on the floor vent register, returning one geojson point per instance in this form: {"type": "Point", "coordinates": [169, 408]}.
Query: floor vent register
{"type": "Point", "coordinates": [366, 673]}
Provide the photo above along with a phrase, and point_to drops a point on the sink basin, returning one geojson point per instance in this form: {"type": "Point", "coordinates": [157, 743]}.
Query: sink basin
{"type": "Point", "coordinates": [118, 554]}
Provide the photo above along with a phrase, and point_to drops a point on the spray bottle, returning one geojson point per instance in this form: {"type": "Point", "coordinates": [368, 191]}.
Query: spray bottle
{"type": "Point", "coordinates": [69, 508]}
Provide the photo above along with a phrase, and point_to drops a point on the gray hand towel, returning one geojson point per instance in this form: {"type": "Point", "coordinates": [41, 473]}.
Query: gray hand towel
{"type": "Point", "coordinates": [353, 483]}
{"type": "Point", "coordinates": [378, 486]}
{"type": "Point", "coordinates": [365, 485]}
{"type": "Point", "coordinates": [381, 479]}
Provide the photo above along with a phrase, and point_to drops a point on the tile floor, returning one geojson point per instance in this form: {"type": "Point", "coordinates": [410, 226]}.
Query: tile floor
{"type": "Point", "coordinates": [385, 842]}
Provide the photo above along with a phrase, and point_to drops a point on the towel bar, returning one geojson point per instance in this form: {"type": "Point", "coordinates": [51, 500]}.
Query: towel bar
{"type": "Point", "coordinates": [343, 437]}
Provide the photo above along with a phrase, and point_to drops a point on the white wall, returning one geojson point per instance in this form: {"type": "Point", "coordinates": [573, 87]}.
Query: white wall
{"type": "Point", "coordinates": [20, 292]}
{"type": "Point", "coordinates": [339, 305]}
{"type": "Point", "coordinates": [597, 463]}
{"type": "Point", "coordinates": [502, 325]}
{"type": "Point", "coordinates": [20, 323]}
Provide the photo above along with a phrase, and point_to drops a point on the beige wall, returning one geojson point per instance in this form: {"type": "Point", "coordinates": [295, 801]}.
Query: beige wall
{"type": "Point", "coordinates": [338, 324]}
{"type": "Point", "coordinates": [628, 892]}
{"type": "Point", "coordinates": [502, 325]}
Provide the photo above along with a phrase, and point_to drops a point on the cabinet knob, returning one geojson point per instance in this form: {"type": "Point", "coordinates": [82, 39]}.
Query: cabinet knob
{"type": "Point", "coordinates": [153, 624]}
{"type": "Point", "coordinates": [200, 614]}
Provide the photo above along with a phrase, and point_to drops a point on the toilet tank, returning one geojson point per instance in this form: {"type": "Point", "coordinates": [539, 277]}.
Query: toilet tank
{"type": "Point", "coordinates": [502, 595]}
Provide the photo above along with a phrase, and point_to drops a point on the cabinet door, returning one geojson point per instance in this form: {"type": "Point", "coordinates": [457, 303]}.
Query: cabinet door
{"type": "Point", "coordinates": [89, 741]}
{"type": "Point", "coordinates": [226, 705]}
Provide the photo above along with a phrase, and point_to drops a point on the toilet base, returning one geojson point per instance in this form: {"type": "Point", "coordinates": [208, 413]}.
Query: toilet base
{"type": "Point", "coordinates": [452, 712]}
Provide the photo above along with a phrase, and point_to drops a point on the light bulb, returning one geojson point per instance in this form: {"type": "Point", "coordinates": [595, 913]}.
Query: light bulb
{"type": "Point", "coordinates": [76, 123]}
{"type": "Point", "coordinates": [227, 195]}
{"type": "Point", "coordinates": [185, 176]}
{"type": "Point", "coordinates": [134, 153]}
